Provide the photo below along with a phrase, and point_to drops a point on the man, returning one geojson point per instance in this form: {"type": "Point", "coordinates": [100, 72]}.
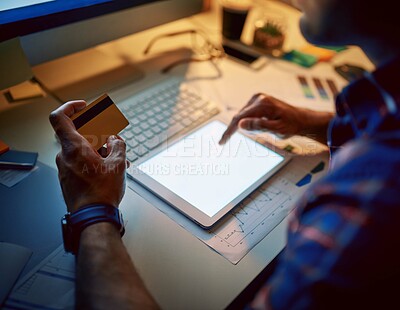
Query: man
{"type": "Point", "coordinates": [343, 242]}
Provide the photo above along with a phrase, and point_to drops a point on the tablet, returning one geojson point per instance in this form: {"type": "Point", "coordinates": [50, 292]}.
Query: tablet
{"type": "Point", "coordinates": [203, 179]}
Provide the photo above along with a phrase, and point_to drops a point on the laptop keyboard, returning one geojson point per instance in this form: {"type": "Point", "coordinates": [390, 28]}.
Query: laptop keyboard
{"type": "Point", "coordinates": [161, 112]}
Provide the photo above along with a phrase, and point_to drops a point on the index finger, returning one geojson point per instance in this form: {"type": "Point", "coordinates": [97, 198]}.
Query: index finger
{"type": "Point", "coordinates": [252, 100]}
{"type": "Point", "coordinates": [233, 126]}
{"type": "Point", "coordinates": [61, 121]}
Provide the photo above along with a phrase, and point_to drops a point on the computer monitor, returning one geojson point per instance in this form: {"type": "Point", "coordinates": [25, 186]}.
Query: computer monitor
{"type": "Point", "coordinates": [49, 29]}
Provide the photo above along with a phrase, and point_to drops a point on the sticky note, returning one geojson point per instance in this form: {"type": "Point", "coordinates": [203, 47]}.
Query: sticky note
{"type": "Point", "coordinates": [321, 54]}
{"type": "Point", "coordinates": [300, 58]}
{"type": "Point", "coordinates": [3, 147]}
{"type": "Point", "coordinates": [25, 90]}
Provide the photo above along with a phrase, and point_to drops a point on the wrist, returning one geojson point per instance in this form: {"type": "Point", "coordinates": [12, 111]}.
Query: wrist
{"type": "Point", "coordinates": [315, 123]}
{"type": "Point", "coordinates": [98, 234]}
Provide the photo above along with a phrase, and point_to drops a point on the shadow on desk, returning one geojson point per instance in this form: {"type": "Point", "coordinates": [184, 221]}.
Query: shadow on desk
{"type": "Point", "coordinates": [31, 212]}
{"type": "Point", "coordinates": [248, 294]}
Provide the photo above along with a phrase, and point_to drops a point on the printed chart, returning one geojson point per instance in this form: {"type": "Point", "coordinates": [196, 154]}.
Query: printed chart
{"type": "Point", "coordinates": [264, 209]}
{"type": "Point", "coordinates": [252, 213]}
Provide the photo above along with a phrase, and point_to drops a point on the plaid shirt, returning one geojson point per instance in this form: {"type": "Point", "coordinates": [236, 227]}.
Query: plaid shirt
{"type": "Point", "coordinates": [343, 246]}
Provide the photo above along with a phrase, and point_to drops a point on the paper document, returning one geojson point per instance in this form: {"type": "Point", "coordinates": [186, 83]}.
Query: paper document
{"type": "Point", "coordinates": [11, 177]}
{"type": "Point", "coordinates": [50, 285]}
{"type": "Point", "coordinates": [279, 79]}
{"type": "Point", "coordinates": [13, 260]}
{"type": "Point", "coordinates": [257, 215]}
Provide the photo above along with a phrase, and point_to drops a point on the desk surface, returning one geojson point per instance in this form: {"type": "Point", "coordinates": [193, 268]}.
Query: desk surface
{"type": "Point", "coordinates": [179, 270]}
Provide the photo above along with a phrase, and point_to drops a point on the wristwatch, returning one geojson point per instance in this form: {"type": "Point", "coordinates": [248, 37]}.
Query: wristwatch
{"type": "Point", "coordinates": [74, 223]}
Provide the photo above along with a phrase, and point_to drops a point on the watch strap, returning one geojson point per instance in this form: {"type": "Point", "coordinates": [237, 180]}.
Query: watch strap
{"type": "Point", "coordinates": [74, 223]}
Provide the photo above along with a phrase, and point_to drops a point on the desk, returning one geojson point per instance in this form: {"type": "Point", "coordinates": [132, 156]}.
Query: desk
{"type": "Point", "coordinates": [179, 270]}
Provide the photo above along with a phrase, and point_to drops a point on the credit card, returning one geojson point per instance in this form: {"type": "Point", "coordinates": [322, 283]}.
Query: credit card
{"type": "Point", "coordinates": [99, 120]}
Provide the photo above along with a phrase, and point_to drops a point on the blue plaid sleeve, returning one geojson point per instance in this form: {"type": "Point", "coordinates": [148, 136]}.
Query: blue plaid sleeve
{"type": "Point", "coordinates": [343, 240]}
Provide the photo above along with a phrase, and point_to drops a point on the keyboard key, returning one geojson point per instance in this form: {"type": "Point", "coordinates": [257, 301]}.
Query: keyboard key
{"type": "Point", "coordinates": [124, 108]}
{"type": "Point", "coordinates": [152, 122]}
{"type": "Point", "coordinates": [196, 115]}
{"type": "Point", "coordinates": [130, 113]}
{"type": "Point", "coordinates": [177, 117]}
{"type": "Point", "coordinates": [186, 122]}
{"type": "Point", "coordinates": [214, 111]}
{"type": "Point", "coordinates": [155, 141]}
{"type": "Point", "coordinates": [156, 129]}
{"type": "Point", "coordinates": [163, 105]}
{"type": "Point", "coordinates": [137, 130]}
{"type": "Point", "coordinates": [167, 113]}
{"type": "Point", "coordinates": [184, 113]}
{"type": "Point", "coordinates": [148, 134]}
{"type": "Point", "coordinates": [144, 125]}
{"type": "Point", "coordinates": [141, 138]}
{"type": "Point", "coordinates": [128, 135]}
{"type": "Point", "coordinates": [173, 130]}
{"type": "Point", "coordinates": [132, 143]}
{"type": "Point", "coordinates": [142, 117]}
{"type": "Point", "coordinates": [135, 121]}
{"type": "Point", "coordinates": [164, 125]}
{"type": "Point", "coordinates": [190, 109]}
{"type": "Point", "coordinates": [139, 108]}
{"type": "Point", "coordinates": [159, 117]}
{"type": "Point", "coordinates": [131, 156]}
{"type": "Point", "coordinates": [149, 113]}
{"type": "Point", "coordinates": [172, 103]}
{"type": "Point", "coordinates": [140, 150]}
{"type": "Point", "coordinates": [200, 103]}
{"type": "Point", "coordinates": [171, 121]}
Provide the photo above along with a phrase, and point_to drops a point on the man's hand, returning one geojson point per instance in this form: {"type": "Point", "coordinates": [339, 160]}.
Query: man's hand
{"type": "Point", "coordinates": [85, 176]}
{"type": "Point", "coordinates": [267, 113]}
{"type": "Point", "coordinates": [106, 277]}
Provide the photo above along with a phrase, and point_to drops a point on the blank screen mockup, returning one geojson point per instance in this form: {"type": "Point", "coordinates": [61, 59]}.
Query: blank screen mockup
{"type": "Point", "coordinates": [207, 175]}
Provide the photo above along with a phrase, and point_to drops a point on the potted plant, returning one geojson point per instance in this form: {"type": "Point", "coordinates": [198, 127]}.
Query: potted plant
{"type": "Point", "coordinates": [269, 36]}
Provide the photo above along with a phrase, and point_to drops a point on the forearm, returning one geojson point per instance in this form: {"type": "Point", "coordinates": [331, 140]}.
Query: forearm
{"type": "Point", "coordinates": [315, 125]}
{"type": "Point", "coordinates": [106, 277]}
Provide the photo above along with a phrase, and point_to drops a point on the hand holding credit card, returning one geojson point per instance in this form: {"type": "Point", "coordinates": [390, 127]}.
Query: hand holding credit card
{"type": "Point", "coordinates": [99, 120]}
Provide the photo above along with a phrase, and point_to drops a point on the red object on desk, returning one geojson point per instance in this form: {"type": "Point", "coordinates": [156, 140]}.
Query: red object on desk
{"type": "Point", "coordinates": [3, 147]}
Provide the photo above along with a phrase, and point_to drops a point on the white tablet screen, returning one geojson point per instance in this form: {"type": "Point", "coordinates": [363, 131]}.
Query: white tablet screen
{"type": "Point", "coordinates": [207, 175]}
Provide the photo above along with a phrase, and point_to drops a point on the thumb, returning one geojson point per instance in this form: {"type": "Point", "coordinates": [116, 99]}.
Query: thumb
{"type": "Point", "coordinates": [116, 148]}
{"type": "Point", "coordinates": [253, 123]}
